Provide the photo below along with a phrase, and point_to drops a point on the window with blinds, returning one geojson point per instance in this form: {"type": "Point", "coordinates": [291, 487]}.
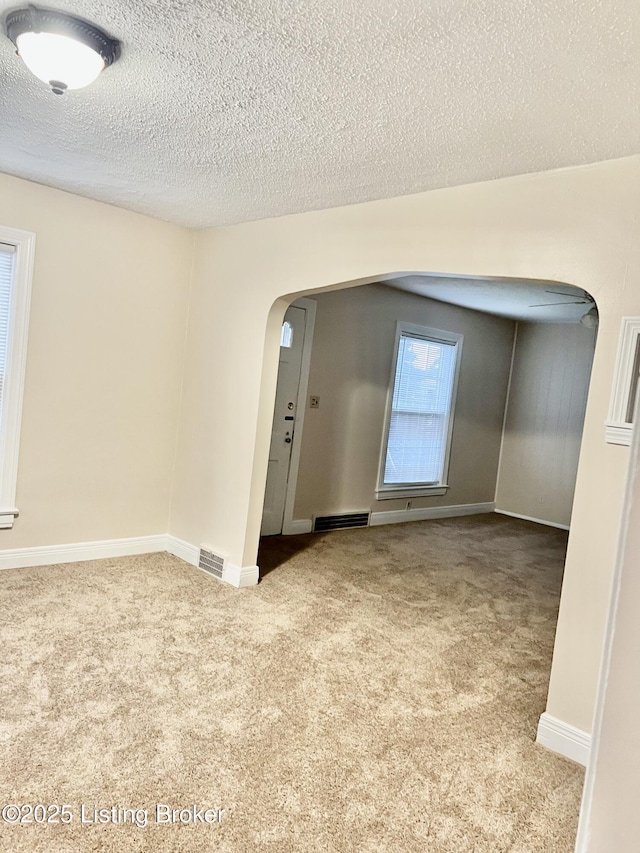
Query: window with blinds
{"type": "Point", "coordinates": [7, 258]}
{"type": "Point", "coordinates": [16, 267]}
{"type": "Point", "coordinates": [420, 412]}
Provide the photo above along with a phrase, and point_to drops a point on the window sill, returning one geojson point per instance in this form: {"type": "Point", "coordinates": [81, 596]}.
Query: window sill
{"type": "Point", "coordinates": [389, 493]}
{"type": "Point", "coordinates": [7, 517]}
{"type": "Point", "coordinates": [618, 433]}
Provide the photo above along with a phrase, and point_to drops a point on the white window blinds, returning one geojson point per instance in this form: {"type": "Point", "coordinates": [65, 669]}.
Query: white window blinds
{"type": "Point", "coordinates": [7, 257]}
{"type": "Point", "coordinates": [16, 265]}
{"type": "Point", "coordinates": [420, 411]}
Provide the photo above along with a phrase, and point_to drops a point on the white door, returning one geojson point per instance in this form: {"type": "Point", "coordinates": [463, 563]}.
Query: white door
{"type": "Point", "coordinates": [284, 420]}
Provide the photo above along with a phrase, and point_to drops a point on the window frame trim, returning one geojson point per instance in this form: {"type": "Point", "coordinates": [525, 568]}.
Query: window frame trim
{"type": "Point", "coordinates": [411, 490]}
{"type": "Point", "coordinates": [13, 391]}
{"type": "Point", "coordinates": [617, 429]}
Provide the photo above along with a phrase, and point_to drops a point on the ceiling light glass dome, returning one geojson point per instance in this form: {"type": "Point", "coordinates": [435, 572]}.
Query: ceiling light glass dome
{"type": "Point", "coordinates": [61, 50]}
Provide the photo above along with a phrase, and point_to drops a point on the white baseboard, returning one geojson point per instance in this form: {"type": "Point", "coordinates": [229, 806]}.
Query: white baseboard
{"type": "Point", "coordinates": [564, 739]}
{"type": "Point", "coordinates": [535, 520]}
{"type": "Point", "coordinates": [238, 576]}
{"type": "Point", "coordinates": [427, 512]}
{"type": "Point", "coordinates": [241, 576]}
{"type": "Point", "coordinates": [50, 555]}
{"type": "Point", "coordinates": [297, 526]}
{"type": "Point", "coordinates": [184, 550]}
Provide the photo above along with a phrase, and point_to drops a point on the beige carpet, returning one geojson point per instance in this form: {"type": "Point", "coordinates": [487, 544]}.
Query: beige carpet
{"type": "Point", "coordinates": [378, 691]}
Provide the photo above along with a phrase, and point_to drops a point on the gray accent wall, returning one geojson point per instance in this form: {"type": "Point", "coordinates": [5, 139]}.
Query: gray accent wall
{"type": "Point", "coordinates": [350, 372]}
{"type": "Point", "coordinates": [545, 417]}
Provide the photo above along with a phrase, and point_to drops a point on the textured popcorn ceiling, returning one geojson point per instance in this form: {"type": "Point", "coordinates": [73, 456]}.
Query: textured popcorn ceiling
{"type": "Point", "coordinates": [220, 112]}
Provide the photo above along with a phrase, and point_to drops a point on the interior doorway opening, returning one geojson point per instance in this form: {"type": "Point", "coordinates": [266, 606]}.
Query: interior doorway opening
{"type": "Point", "coordinates": [517, 419]}
{"type": "Point", "coordinates": [295, 348]}
{"type": "Point", "coordinates": [515, 428]}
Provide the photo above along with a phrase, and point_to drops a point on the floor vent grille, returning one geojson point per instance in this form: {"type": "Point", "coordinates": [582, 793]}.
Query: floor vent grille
{"type": "Point", "coordinates": [340, 522]}
{"type": "Point", "coordinates": [211, 563]}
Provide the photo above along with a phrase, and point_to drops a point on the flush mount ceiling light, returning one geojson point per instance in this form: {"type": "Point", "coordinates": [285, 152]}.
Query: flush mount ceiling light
{"type": "Point", "coordinates": [61, 50]}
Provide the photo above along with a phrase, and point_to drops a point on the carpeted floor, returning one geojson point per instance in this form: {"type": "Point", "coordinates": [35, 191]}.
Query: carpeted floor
{"type": "Point", "coordinates": [378, 691]}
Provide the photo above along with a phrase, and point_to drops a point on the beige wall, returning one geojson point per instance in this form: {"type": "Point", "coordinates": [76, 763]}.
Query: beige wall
{"type": "Point", "coordinates": [103, 373]}
{"type": "Point", "coordinates": [104, 368]}
{"type": "Point", "coordinates": [609, 818]}
{"type": "Point", "coordinates": [545, 415]}
{"type": "Point", "coordinates": [350, 370]}
{"type": "Point", "coordinates": [577, 226]}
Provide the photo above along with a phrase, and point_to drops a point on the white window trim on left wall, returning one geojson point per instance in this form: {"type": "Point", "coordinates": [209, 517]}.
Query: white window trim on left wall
{"type": "Point", "coordinates": [13, 391]}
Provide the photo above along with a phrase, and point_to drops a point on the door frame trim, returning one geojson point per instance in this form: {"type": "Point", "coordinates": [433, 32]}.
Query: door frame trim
{"type": "Point", "coordinates": [310, 305]}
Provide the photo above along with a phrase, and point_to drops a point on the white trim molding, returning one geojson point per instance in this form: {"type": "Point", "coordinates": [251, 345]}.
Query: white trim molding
{"type": "Point", "coordinates": [24, 243]}
{"type": "Point", "coordinates": [626, 561]}
{"type": "Point", "coordinates": [240, 576]}
{"type": "Point", "coordinates": [52, 555]}
{"type": "Point", "coordinates": [297, 526]}
{"type": "Point", "coordinates": [183, 550]}
{"type": "Point", "coordinates": [531, 518]}
{"type": "Point", "coordinates": [388, 491]}
{"type": "Point", "coordinates": [310, 306]}
{"type": "Point", "coordinates": [618, 433]}
{"type": "Point", "coordinates": [619, 424]}
{"type": "Point", "coordinates": [7, 517]}
{"type": "Point", "coordinates": [564, 739]}
{"type": "Point", "coordinates": [424, 513]}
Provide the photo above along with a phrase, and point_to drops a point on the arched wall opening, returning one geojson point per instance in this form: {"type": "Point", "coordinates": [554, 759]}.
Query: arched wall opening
{"type": "Point", "coordinates": [351, 363]}
{"type": "Point", "coordinates": [491, 326]}
{"type": "Point", "coordinates": [577, 226]}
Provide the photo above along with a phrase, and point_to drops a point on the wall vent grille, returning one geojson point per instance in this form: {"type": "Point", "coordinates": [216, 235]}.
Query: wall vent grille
{"type": "Point", "coordinates": [210, 562]}
{"type": "Point", "coordinates": [340, 522]}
